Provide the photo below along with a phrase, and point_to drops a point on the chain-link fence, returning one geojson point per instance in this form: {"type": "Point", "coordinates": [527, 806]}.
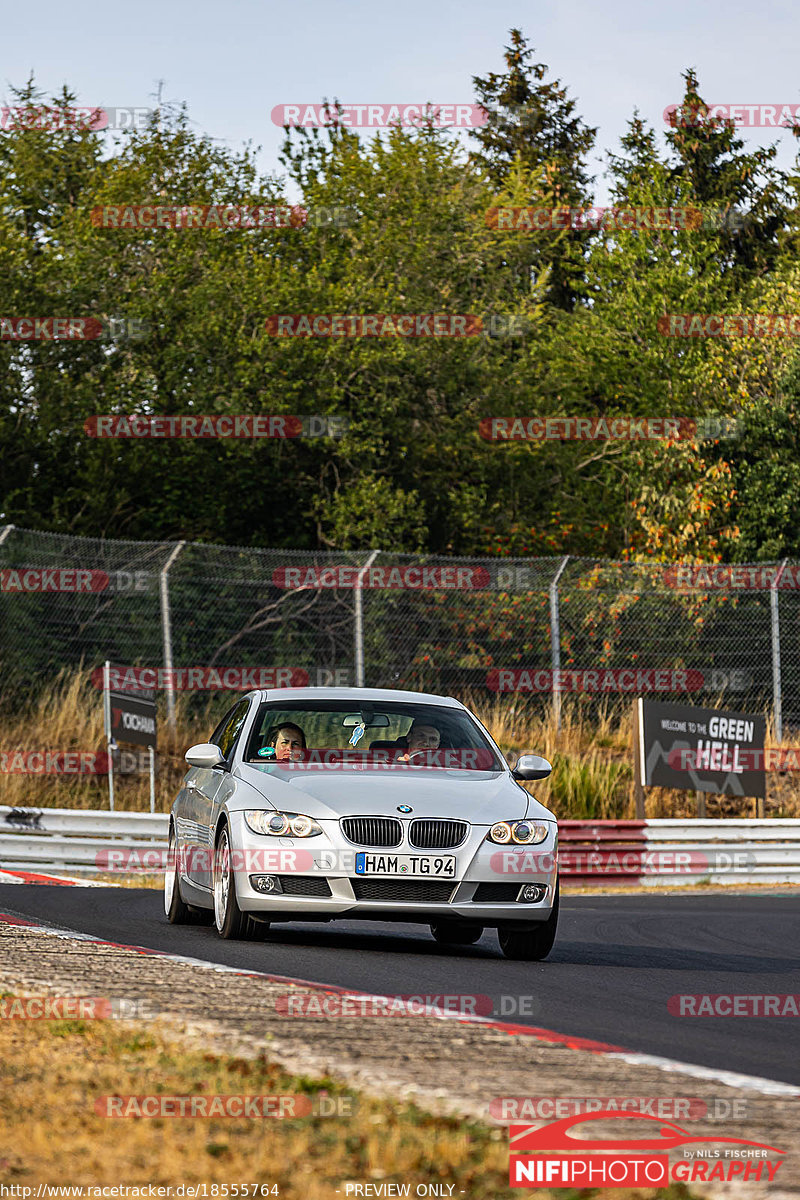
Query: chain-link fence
{"type": "Point", "coordinates": [203, 617]}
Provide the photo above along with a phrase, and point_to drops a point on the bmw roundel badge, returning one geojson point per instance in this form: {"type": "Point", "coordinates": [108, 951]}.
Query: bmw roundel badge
{"type": "Point", "coordinates": [404, 808]}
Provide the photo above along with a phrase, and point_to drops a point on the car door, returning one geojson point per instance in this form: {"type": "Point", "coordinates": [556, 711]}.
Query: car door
{"type": "Point", "coordinates": [204, 789]}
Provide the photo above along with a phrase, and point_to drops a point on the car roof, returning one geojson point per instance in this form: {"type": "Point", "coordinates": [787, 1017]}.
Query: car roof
{"type": "Point", "coordinates": [357, 695]}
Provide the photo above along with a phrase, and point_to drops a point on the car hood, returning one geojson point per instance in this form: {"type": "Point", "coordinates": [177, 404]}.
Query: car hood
{"type": "Point", "coordinates": [480, 797]}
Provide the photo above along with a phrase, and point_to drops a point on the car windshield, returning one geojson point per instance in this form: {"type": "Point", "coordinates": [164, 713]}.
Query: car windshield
{"type": "Point", "coordinates": [387, 735]}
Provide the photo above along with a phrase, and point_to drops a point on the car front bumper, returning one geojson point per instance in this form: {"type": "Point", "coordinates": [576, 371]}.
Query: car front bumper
{"type": "Point", "coordinates": [484, 890]}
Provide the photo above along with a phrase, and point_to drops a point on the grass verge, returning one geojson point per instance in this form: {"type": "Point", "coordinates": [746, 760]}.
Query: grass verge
{"type": "Point", "coordinates": [54, 1071]}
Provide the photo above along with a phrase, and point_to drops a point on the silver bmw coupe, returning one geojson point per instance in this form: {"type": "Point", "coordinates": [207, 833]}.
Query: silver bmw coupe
{"type": "Point", "coordinates": [311, 804]}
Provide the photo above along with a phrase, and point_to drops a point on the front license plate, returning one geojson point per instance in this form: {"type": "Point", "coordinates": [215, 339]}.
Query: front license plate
{"type": "Point", "coordinates": [406, 865]}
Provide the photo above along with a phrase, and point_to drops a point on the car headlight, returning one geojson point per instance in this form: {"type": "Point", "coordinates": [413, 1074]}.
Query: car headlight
{"type": "Point", "coordinates": [521, 833]}
{"type": "Point", "coordinates": [280, 824]}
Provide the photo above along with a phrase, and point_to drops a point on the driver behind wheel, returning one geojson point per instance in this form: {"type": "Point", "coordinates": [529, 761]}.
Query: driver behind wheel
{"type": "Point", "coordinates": [289, 742]}
{"type": "Point", "coordinates": [420, 737]}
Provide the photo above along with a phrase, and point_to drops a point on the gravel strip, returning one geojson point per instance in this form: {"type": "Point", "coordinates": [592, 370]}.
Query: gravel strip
{"type": "Point", "coordinates": [445, 1065]}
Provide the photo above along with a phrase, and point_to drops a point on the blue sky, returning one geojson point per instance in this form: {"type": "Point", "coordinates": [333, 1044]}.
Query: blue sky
{"type": "Point", "coordinates": [232, 62]}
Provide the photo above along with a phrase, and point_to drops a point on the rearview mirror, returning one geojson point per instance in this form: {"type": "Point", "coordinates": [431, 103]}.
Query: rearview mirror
{"type": "Point", "coordinates": [205, 754]}
{"type": "Point", "coordinates": [368, 720]}
{"type": "Point", "coordinates": [531, 766]}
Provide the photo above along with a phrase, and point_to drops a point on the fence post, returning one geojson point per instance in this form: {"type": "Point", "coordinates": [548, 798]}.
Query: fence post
{"type": "Point", "coordinates": [638, 760]}
{"type": "Point", "coordinates": [166, 633]}
{"type": "Point", "coordinates": [777, 695]}
{"type": "Point", "coordinates": [359, 614]}
{"type": "Point", "coordinates": [111, 745]}
{"type": "Point", "coordinates": [555, 641]}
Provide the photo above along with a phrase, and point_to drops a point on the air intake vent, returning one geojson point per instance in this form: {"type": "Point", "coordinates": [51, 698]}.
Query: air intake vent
{"type": "Point", "coordinates": [415, 891]}
{"type": "Point", "coordinates": [304, 885]}
{"type": "Point", "coordinates": [437, 835]}
{"type": "Point", "coordinates": [488, 892]}
{"type": "Point", "coordinates": [372, 831]}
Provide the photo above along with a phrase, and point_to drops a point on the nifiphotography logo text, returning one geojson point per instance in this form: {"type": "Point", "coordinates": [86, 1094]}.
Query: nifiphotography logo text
{"type": "Point", "coordinates": [538, 1158]}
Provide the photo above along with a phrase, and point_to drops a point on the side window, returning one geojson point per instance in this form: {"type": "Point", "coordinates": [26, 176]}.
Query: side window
{"type": "Point", "coordinates": [226, 733]}
{"type": "Point", "coordinates": [218, 732]}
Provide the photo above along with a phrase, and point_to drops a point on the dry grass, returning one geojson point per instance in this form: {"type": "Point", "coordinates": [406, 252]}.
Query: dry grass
{"type": "Point", "coordinates": [591, 755]}
{"type": "Point", "coordinates": [50, 1133]}
{"type": "Point", "coordinates": [67, 715]}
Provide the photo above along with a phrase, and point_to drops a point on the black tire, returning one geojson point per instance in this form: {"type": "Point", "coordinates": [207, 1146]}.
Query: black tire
{"type": "Point", "coordinates": [178, 913]}
{"type": "Point", "coordinates": [257, 931]}
{"type": "Point", "coordinates": [456, 933]}
{"type": "Point", "coordinates": [229, 920]}
{"type": "Point", "coordinates": [201, 916]}
{"type": "Point", "coordinates": [531, 945]}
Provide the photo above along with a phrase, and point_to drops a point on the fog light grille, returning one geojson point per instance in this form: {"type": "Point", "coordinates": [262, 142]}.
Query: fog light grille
{"type": "Point", "coordinates": [267, 885]}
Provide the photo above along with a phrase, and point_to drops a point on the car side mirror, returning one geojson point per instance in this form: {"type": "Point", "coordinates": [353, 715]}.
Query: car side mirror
{"type": "Point", "coordinates": [531, 766]}
{"type": "Point", "coordinates": [205, 754]}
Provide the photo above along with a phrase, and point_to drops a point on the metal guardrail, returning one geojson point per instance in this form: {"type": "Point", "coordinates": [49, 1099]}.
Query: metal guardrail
{"type": "Point", "coordinates": [64, 839]}
{"type": "Point", "coordinates": [736, 829]}
{"type": "Point", "coordinates": [648, 853]}
{"type": "Point", "coordinates": [670, 852]}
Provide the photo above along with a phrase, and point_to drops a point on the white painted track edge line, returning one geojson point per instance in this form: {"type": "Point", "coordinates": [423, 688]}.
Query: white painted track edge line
{"type": "Point", "coordinates": [769, 1087]}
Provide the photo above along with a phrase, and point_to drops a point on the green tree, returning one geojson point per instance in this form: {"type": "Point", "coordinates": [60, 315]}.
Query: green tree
{"type": "Point", "coordinates": [532, 124]}
{"type": "Point", "coordinates": [743, 193]}
{"type": "Point", "coordinates": [765, 465]}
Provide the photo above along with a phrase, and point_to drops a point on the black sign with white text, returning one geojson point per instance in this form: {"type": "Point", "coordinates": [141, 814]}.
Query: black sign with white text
{"type": "Point", "coordinates": [132, 720]}
{"type": "Point", "coordinates": [702, 749]}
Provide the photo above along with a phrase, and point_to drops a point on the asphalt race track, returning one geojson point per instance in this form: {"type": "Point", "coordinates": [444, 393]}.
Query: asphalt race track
{"type": "Point", "coordinates": [616, 962]}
